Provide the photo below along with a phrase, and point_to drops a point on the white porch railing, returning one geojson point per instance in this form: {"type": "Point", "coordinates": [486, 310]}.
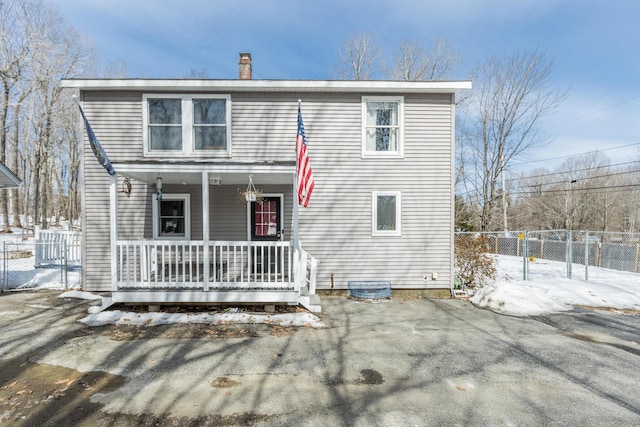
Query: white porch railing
{"type": "Point", "coordinates": [218, 265]}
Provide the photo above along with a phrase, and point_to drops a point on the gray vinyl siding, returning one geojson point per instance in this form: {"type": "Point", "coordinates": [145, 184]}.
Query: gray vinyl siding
{"type": "Point", "coordinates": [117, 121]}
{"type": "Point", "coordinates": [336, 227]}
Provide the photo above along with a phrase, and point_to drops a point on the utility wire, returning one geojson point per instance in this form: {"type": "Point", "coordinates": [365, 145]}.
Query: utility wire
{"type": "Point", "coordinates": [591, 113]}
{"type": "Point", "coordinates": [571, 171]}
{"type": "Point", "coordinates": [588, 178]}
{"type": "Point", "coordinates": [574, 155]}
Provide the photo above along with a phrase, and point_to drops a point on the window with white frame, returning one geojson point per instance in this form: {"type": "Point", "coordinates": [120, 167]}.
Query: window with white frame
{"type": "Point", "coordinates": [172, 217]}
{"type": "Point", "coordinates": [188, 125]}
{"type": "Point", "coordinates": [386, 213]}
{"type": "Point", "coordinates": [382, 126]}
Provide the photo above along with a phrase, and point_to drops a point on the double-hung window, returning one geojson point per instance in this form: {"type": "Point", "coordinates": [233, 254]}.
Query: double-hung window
{"type": "Point", "coordinates": [187, 125]}
{"type": "Point", "coordinates": [386, 213]}
{"type": "Point", "coordinates": [382, 129]}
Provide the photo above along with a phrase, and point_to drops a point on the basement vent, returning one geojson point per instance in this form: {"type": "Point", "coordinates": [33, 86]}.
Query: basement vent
{"type": "Point", "coordinates": [372, 289]}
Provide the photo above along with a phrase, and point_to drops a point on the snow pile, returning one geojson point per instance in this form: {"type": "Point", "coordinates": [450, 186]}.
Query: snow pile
{"type": "Point", "coordinates": [80, 295]}
{"type": "Point", "coordinates": [547, 291]}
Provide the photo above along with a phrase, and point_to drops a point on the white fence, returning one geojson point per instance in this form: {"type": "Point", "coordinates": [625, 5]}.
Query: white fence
{"type": "Point", "coordinates": [56, 246]}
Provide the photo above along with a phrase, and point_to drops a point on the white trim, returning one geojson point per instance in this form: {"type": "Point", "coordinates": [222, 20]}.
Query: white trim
{"type": "Point", "coordinates": [205, 226]}
{"type": "Point", "coordinates": [281, 226]}
{"type": "Point", "coordinates": [186, 197]}
{"type": "Point", "coordinates": [374, 213]}
{"type": "Point", "coordinates": [210, 166]}
{"type": "Point", "coordinates": [452, 193]}
{"type": "Point", "coordinates": [296, 86]}
{"type": "Point", "coordinates": [113, 232]}
{"type": "Point", "coordinates": [397, 154]}
{"type": "Point", "coordinates": [187, 127]}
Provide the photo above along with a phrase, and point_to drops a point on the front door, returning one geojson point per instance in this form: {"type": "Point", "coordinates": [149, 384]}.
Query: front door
{"type": "Point", "coordinates": [266, 225]}
{"type": "Point", "coordinates": [266, 221]}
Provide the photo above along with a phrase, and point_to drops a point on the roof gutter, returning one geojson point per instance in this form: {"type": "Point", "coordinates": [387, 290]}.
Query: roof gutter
{"type": "Point", "coordinates": [178, 85]}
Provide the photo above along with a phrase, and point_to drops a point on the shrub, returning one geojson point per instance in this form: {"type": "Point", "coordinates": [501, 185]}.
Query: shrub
{"type": "Point", "coordinates": [473, 264]}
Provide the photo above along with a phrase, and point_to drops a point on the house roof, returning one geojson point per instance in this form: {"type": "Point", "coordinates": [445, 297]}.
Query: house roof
{"type": "Point", "coordinates": [7, 178]}
{"type": "Point", "coordinates": [369, 86]}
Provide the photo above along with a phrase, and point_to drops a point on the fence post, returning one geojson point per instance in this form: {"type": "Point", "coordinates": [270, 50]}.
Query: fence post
{"type": "Point", "coordinates": [5, 266]}
{"type": "Point", "coordinates": [525, 258]}
{"type": "Point", "coordinates": [586, 255]}
{"type": "Point", "coordinates": [637, 256]}
{"type": "Point", "coordinates": [65, 254]}
{"type": "Point", "coordinates": [569, 253]}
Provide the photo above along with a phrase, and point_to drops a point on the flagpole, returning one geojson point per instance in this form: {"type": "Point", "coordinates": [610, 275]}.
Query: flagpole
{"type": "Point", "coordinates": [296, 223]}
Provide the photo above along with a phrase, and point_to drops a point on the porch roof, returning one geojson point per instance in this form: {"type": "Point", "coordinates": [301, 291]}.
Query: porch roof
{"type": "Point", "coordinates": [190, 172]}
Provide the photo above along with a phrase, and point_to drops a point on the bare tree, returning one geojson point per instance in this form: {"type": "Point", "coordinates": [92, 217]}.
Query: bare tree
{"type": "Point", "coordinates": [198, 73]}
{"type": "Point", "coordinates": [14, 44]}
{"type": "Point", "coordinates": [413, 63]}
{"type": "Point", "coordinates": [510, 97]}
{"type": "Point", "coordinates": [38, 49]}
{"type": "Point", "coordinates": [114, 70]}
{"type": "Point", "coordinates": [358, 59]}
{"type": "Point", "coordinates": [62, 55]}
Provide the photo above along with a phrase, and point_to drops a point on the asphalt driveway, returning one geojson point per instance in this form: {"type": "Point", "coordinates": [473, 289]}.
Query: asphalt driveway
{"type": "Point", "coordinates": [413, 362]}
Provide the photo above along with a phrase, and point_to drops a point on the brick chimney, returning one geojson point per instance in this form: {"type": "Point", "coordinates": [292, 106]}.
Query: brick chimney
{"type": "Point", "coordinates": [245, 66]}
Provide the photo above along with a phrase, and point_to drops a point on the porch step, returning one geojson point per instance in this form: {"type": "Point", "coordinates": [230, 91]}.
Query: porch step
{"type": "Point", "coordinates": [106, 303]}
{"type": "Point", "coordinates": [311, 303]}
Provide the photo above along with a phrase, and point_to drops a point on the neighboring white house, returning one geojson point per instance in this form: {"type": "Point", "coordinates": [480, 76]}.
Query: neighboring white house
{"type": "Point", "coordinates": [8, 179]}
{"type": "Point", "coordinates": [173, 226]}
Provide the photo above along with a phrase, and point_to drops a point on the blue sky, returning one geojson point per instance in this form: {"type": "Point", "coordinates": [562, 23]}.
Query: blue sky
{"type": "Point", "coordinates": [594, 44]}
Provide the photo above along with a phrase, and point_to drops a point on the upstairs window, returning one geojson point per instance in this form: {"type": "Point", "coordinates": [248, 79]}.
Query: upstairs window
{"type": "Point", "coordinates": [382, 130]}
{"type": "Point", "coordinates": [187, 125]}
{"type": "Point", "coordinates": [165, 124]}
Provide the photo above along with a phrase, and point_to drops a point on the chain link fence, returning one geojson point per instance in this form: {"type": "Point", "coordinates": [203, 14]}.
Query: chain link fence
{"type": "Point", "coordinates": [578, 250]}
{"type": "Point", "coordinates": [40, 265]}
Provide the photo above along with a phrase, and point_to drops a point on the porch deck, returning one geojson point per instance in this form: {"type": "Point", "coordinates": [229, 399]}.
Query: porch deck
{"type": "Point", "coordinates": [170, 271]}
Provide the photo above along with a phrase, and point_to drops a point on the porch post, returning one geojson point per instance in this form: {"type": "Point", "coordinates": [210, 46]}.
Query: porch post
{"type": "Point", "coordinates": [205, 230]}
{"type": "Point", "coordinates": [113, 222]}
{"type": "Point", "coordinates": [295, 236]}
{"type": "Point", "coordinates": [297, 247]}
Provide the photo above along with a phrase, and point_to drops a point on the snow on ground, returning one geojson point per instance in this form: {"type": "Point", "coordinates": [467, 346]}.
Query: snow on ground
{"type": "Point", "coordinates": [21, 273]}
{"type": "Point", "coordinates": [234, 316]}
{"type": "Point", "coordinates": [549, 291]}
{"type": "Point", "coordinates": [79, 295]}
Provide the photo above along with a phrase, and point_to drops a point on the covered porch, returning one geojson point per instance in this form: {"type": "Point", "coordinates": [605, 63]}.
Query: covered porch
{"type": "Point", "coordinates": [224, 250]}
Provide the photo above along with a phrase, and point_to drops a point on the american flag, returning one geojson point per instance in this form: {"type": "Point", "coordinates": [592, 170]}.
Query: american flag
{"type": "Point", "coordinates": [97, 149]}
{"type": "Point", "coordinates": [305, 174]}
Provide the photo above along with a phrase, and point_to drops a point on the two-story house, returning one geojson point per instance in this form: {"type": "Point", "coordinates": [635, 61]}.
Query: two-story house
{"type": "Point", "coordinates": [175, 223]}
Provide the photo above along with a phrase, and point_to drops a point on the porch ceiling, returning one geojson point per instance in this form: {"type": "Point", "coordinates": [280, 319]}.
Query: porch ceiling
{"type": "Point", "coordinates": [227, 175]}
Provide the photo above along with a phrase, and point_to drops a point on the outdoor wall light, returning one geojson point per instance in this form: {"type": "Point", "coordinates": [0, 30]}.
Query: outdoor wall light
{"type": "Point", "coordinates": [158, 188]}
{"type": "Point", "coordinates": [215, 180]}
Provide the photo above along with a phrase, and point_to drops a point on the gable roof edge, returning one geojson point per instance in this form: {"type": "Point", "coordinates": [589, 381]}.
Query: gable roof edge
{"type": "Point", "coordinates": [177, 85]}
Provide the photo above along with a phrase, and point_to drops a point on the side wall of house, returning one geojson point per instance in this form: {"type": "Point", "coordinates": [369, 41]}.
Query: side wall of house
{"type": "Point", "coordinates": [336, 227]}
{"type": "Point", "coordinates": [116, 118]}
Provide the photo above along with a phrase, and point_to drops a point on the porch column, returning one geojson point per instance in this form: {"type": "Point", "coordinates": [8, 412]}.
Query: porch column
{"type": "Point", "coordinates": [205, 229]}
{"type": "Point", "coordinates": [297, 247]}
{"type": "Point", "coordinates": [113, 223]}
{"type": "Point", "coordinates": [294, 232]}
